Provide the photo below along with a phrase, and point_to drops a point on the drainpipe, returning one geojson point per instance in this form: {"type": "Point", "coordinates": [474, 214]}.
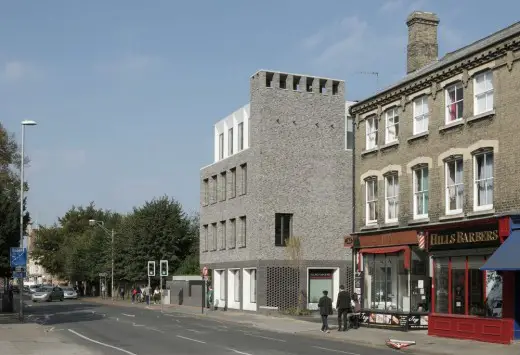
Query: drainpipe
{"type": "Point", "coordinates": [354, 124]}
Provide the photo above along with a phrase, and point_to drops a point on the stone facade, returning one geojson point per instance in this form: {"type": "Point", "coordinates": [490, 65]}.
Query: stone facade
{"type": "Point", "coordinates": [297, 163]}
{"type": "Point", "coordinates": [493, 59]}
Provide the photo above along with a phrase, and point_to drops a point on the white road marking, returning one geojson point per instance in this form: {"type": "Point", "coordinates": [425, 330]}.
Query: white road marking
{"type": "Point", "coordinates": [128, 315]}
{"type": "Point", "coordinates": [239, 352]}
{"type": "Point", "coordinates": [137, 325]}
{"type": "Point", "coordinates": [264, 337]}
{"type": "Point", "coordinates": [195, 340]}
{"type": "Point", "coordinates": [100, 343]}
{"type": "Point", "coordinates": [335, 351]}
{"type": "Point", "coordinates": [156, 330]}
{"type": "Point", "coordinates": [193, 330]}
{"type": "Point", "coordinates": [178, 321]}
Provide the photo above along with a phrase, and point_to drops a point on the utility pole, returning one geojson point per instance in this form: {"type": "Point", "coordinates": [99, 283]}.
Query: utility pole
{"type": "Point", "coordinates": [112, 266]}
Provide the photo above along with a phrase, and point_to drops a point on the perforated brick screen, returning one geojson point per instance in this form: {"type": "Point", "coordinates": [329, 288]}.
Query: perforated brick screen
{"type": "Point", "coordinates": [349, 279]}
{"type": "Point", "coordinates": [282, 287]}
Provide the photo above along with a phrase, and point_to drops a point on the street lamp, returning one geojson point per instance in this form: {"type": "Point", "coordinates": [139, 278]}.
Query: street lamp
{"type": "Point", "coordinates": [22, 178]}
{"type": "Point", "coordinates": [101, 224]}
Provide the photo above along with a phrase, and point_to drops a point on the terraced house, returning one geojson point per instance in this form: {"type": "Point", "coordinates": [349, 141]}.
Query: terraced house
{"type": "Point", "coordinates": [277, 200]}
{"type": "Point", "coordinates": [437, 164]}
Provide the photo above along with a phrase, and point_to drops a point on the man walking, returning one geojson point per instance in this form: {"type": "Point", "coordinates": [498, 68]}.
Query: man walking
{"type": "Point", "coordinates": [325, 305]}
{"type": "Point", "coordinates": [343, 305]}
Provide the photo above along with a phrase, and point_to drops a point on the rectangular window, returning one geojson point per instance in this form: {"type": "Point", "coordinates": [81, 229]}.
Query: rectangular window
{"type": "Point", "coordinates": [236, 284]}
{"type": "Point", "coordinates": [454, 103]}
{"type": "Point", "coordinates": [462, 288]}
{"type": "Point", "coordinates": [241, 136]}
{"type": "Point", "coordinates": [349, 133]}
{"type": "Point", "coordinates": [222, 295]}
{"type": "Point", "coordinates": [214, 188]}
{"type": "Point", "coordinates": [483, 88]}
{"type": "Point", "coordinates": [214, 236]}
{"type": "Point", "coordinates": [223, 186]}
{"type": "Point", "coordinates": [282, 228]}
{"type": "Point", "coordinates": [205, 191]}
{"type": "Point", "coordinates": [232, 233]}
{"type": "Point", "coordinates": [454, 186]}
{"type": "Point", "coordinates": [223, 235]}
{"type": "Point", "coordinates": [243, 177]}
{"type": "Point", "coordinates": [233, 191]}
{"type": "Point", "coordinates": [420, 193]}
{"type": "Point", "coordinates": [252, 285]}
{"type": "Point", "coordinates": [221, 146]}
{"type": "Point", "coordinates": [391, 198]}
{"type": "Point", "coordinates": [421, 114]}
{"type": "Point", "coordinates": [230, 141]}
{"type": "Point", "coordinates": [371, 201]}
{"type": "Point", "coordinates": [392, 125]}
{"type": "Point", "coordinates": [243, 231]}
{"type": "Point", "coordinates": [483, 177]}
{"type": "Point", "coordinates": [371, 132]}
{"type": "Point", "coordinates": [205, 238]}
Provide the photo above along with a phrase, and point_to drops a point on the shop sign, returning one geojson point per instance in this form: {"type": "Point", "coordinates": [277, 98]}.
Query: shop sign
{"type": "Point", "coordinates": [320, 274]}
{"type": "Point", "coordinates": [348, 241]}
{"type": "Point", "coordinates": [394, 320]}
{"type": "Point", "coordinates": [472, 237]}
{"type": "Point", "coordinates": [417, 322]}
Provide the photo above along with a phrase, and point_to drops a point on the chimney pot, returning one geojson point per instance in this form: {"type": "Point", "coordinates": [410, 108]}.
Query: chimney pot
{"type": "Point", "coordinates": [423, 46]}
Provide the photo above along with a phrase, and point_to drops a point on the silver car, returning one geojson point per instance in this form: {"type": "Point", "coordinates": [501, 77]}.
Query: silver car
{"type": "Point", "coordinates": [48, 294]}
{"type": "Point", "coordinates": [69, 293]}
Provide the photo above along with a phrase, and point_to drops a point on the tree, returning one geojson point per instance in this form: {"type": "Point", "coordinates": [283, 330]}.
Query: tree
{"type": "Point", "coordinates": [9, 199]}
{"type": "Point", "coordinates": [190, 265]}
{"type": "Point", "coordinates": [294, 250]}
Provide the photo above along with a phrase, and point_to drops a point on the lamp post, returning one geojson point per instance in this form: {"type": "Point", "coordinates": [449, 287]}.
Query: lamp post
{"type": "Point", "coordinates": [22, 178]}
{"type": "Point", "coordinates": [101, 224]}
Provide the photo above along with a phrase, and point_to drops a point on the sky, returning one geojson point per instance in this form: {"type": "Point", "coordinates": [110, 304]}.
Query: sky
{"type": "Point", "coordinates": [126, 92]}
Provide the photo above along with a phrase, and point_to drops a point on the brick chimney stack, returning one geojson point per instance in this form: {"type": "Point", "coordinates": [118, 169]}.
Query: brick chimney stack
{"type": "Point", "coordinates": [423, 46]}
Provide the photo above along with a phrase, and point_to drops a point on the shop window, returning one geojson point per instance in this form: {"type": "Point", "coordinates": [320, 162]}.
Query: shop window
{"type": "Point", "coordinates": [319, 281]}
{"type": "Point", "coordinates": [420, 283]}
{"type": "Point", "coordinates": [441, 285]}
{"type": "Point", "coordinates": [252, 285]}
{"type": "Point", "coordinates": [386, 282]}
{"type": "Point", "coordinates": [472, 291]}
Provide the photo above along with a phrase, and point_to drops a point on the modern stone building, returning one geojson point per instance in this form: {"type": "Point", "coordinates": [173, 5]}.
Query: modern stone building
{"type": "Point", "coordinates": [281, 171]}
{"type": "Point", "coordinates": [437, 165]}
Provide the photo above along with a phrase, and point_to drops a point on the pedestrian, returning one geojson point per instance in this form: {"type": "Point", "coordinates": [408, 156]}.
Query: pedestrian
{"type": "Point", "coordinates": [357, 310]}
{"type": "Point", "coordinates": [103, 291]}
{"type": "Point", "coordinates": [134, 293]}
{"type": "Point", "coordinates": [156, 295]}
{"type": "Point", "coordinates": [122, 293]}
{"type": "Point", "coordinates": [93, 291]}
{"type": "Point", "coordinates": [209, 300]}
{"type": "Point", "coordinates": [325, 305]}
{"type": "Point", "coordinates": [344, 307]}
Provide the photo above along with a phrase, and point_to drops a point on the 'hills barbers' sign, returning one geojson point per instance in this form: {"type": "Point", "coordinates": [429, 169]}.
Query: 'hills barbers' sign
{"type": "Point", "coordinates": [472, 237]}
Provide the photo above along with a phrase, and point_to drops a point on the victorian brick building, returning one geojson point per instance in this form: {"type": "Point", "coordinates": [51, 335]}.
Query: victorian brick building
{"type": "Point", "coordinates": [437, 166]}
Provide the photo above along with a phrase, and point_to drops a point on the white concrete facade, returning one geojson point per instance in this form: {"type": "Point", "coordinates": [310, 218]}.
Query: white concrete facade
{"type": "Point", "coordinates": [335, 285]}
{"type": "Point", "coordinates": [249, 289]}
{"type": "Point", "coordinates": [235, 134]}
{"type": "Point", "coordinates": [234, 288]}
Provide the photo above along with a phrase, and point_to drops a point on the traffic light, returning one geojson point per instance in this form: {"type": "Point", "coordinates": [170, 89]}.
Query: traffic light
{"type": "Point", "coordinates": [164, 267]}
{"type": "Point", "coordinates": [151, 268]}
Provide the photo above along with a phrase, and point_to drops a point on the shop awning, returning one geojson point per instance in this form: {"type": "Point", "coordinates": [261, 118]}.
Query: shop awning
{"type": "Point", "coordinates": [506, 257]}
{"type": "Point", "coordinates": [390, 250]}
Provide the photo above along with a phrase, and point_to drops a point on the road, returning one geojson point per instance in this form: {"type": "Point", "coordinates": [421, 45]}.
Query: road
{"type": "Point", "coordinates": [138, 331]}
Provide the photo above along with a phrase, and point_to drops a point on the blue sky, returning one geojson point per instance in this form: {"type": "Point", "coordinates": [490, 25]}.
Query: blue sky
{"type": "Point", "coordinates": [126, 94]}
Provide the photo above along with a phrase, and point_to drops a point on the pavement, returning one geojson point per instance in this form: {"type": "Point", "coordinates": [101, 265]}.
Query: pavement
{"type": "Point", "coordinates": [94, 326]}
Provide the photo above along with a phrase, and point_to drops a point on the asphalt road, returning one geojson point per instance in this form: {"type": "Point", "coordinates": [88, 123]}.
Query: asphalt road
{"type": "Point", "coordinates": [140, 331]}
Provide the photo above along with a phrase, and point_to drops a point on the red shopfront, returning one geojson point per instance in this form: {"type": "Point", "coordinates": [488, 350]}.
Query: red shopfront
{"type": "Point", "coordinates": [468, 303]}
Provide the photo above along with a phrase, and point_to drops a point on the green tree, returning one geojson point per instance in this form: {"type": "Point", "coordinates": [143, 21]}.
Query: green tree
{"type": "Point", "coordinates": [9, 199]}
{"type": "Point", "coordinates": [190, 264]}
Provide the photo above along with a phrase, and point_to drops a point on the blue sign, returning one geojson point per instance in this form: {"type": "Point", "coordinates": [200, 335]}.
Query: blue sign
{"type": "Point", "coordinates": [18, 257]}
{"type": "Point", "coordinates": [19, 275]}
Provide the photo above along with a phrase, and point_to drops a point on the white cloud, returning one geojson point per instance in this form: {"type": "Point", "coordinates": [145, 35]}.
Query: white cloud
{"type": "Point", "coordinates": [132, 64]}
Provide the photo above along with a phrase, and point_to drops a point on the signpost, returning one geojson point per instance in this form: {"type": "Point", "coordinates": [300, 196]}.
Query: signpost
{"type": "Point", "coordinates": [18, 261]}
{"type": "Point", "coordinates": [163, 271]}
{"type": "Point", "coordinates": [204, 272]}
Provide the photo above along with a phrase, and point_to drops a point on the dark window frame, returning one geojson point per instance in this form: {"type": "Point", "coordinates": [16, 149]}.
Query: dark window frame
{"type": "Point", "coordinates": [283, 228]}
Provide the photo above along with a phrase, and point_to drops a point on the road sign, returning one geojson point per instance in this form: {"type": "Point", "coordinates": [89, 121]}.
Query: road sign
{"type": "Point", "coordinates": [204, 271]}
{"type": "Point", "coordinates": [19, 275]}
{"type": "Point", "coordinates": [18, 257]}
{"type": "Point", "coordinates": [163, 267]}
{"type": "Point", "coordinates": [19, 269]}
{"type": "Point", "coordinates": [151, 268]}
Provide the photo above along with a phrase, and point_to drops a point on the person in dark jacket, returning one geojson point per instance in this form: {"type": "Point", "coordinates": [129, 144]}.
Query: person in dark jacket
{"type": "Point", "coordinates": [325, 305]}
{"type": "Point", "coordinates": [344, 307]}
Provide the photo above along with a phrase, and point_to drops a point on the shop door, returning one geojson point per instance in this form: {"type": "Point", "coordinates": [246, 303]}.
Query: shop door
{"type": "Point", "coordinates": [516, 331]}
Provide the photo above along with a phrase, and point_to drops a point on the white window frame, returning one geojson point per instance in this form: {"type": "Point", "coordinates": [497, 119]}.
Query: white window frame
{"type": "Point", "coordinates": [420, 193]}
{"type": "Point", "coordinates": [422, 115]}
{"type": "Point", "coordinates": [222, 285]}
{"type": "Point", "coordinates": [240, 136]}
{"type": "Point", "coordinates": [371, 184]}
{"type": "Point", "coordinates": [454, 87]}
{"type": "Point", "coordinates": [371, 124]}
{"type": "Point", "coordinates": [391, 116]}
{"type": "Point", "coordinates": [236, 285]}
{"type": "Point", "coordinates": [221, 154]}
{"type": "Point", "coordinates": [394, 178]}
{"type": "Point", "coordinates": [252, 281]}
{"type": "Point", "coordinates": [486, 93]}
{"type": "Point", "coordinates": [230, 142]}
{"type": "Point", "coordinates": [456, 185]}
{"type": "Point", "coordinates": [349, 121]}
{"type": "Point", "coordinates": [477, 181]}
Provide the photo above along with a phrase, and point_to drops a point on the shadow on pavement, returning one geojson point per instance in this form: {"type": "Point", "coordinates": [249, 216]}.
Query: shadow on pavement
{"type": "Point", "coordinates": [54, 313]}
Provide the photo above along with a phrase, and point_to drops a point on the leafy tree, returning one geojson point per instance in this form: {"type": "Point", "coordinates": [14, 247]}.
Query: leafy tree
{"type": "Point", "coordinates": [9, 199]}
{"type": "Point", "coordinates": [190, 265]}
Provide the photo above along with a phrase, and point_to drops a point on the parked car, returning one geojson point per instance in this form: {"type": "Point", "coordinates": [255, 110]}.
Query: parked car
{"type": "Point", "coordinates": [48, 294]}
{"type": "Point", "coordinates": [33, 288]}
{"type": "Point", "coordinates": [70, 293]}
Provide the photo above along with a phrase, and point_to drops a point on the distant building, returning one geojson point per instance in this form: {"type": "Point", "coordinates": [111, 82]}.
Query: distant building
{"type": "Point", "coordinates": [437, 165]}
{"type": "Point", "coordinates": [282, 168]}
